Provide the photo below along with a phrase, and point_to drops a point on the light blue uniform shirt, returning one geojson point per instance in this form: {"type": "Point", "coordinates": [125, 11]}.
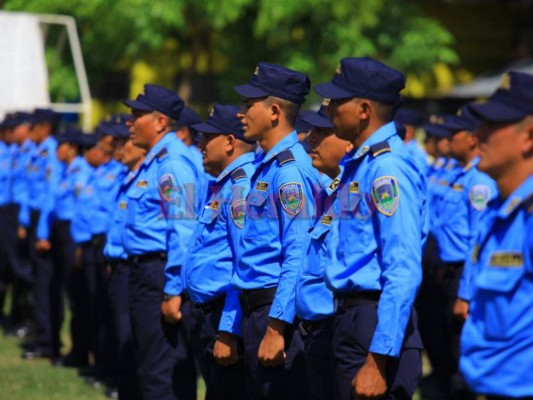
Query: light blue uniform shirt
{"type": "Point", "coordinates": [460, 210]}
{"type": "Point", "coordinates": [382, 232]}
{"type": "Point", "coordinates": [213, 253]}
{"type": "Point", "coordinates": [314, 301]}
{"type": "Point", "coordinates": [114, 248]}
{"type": "Point", "coordinates": [64, 209]}
{"type": "Point", "coordinates": [161, 207]}
{"type": "Point", "coordinates": [84, 203]}
{"type": "Point", "coordinates": [418, 154]}
{"type": "Point", "coordinates": [497, 338]}
{"type": "Point", "coordinates": [106, 185]}
{"type": "Point", "coordinates": [280, 210]}
{"type": "Point", "coordinates": [44, 172]}
{"type": "Point", "coordinates": [5, 173]}
{"type": "Point", "coordinates": [20, 189]}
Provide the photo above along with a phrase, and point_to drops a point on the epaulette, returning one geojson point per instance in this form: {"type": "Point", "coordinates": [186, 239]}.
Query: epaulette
{"type": "Point", "coordinates": [380, 148]}
{"type": "Point", "coordinates": [285, 156]}
{"type": "Point", "coordinates": [237, 174]}
{"type": "Point", "coordinates": [162, 154]}
{"type": "Point", "coordinates": [528, 204]}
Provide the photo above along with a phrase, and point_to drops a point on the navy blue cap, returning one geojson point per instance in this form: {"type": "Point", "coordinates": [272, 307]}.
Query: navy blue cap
{"type": "Point", "coordinates": [158, 98]}
{"type": "Point", "coordinates": [87, 140]}
{"type": "Point", "coordinates": [319, 119]}
{"type": "Point", "coordinates": [436, 128]}
{"type": "Point", "coordinates": [400, 129]}
{"type": "Point", "coordinates": [223, 120]}
{"type": "Point", "coordinates": [119, 128]}
{"type": "Point", "coordinates": [70, 134]}
{"type": "Point", "coordinates": [300, 125]}
{"type": "Point", "coordinates": [365, 78]}
{"type": "Point", "coordinates": [465, 120]}
{"type": "Point", "coordinates": [16, 119]}
{"type": "Point", "coordinates": [188, 117]}
{"type": "Point", "coordinates": [275, 80]}
{"type": "Point", "coordinates": [408, 116]}
{"type": "Point", "coordinates": [511, 102]}
{"type": "Point", "coordinates": [45, 115]}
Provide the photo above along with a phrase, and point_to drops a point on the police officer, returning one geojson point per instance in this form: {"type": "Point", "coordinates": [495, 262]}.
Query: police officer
{"type": "Point", "coordinates": [382, 227]}
{"type": "Point", "coordinates": [496, 342]}
{"type": "Point", "coordinates": [279, 212]}
{"type": "Point", "coordinates": [43, 175]}
{"type": "Point", "coordinates": [461, 207]}
{"type": "Point", "coordinates": [118, 288]}
{"type": "Point", "coordinates": [411, 120]}
{"type": "Point", "coordinates": [160, 217]}
{"type": "Point", "coordinates": [229, 157]}
{"type": "Point", "coordinates": [314, 301]}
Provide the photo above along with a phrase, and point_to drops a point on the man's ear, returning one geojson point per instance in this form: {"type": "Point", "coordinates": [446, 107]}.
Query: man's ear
{"type": "Point", "coordinates": [276, 111]}
{"type": "Point", "coordinates": [231, 142]}
{"type": "Point", "coordinates": [161, 122]}
{"type": "Point", "coordinates": [365, 109]}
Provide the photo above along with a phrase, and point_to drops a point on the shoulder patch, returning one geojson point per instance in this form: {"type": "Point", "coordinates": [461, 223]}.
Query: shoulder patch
{"type": "Point", "coordinates": [291, 196]}
{"type": "Point", "coordinates": [386, 195]}
{"type": "Point", "coordinates": [285, 156]}
{"type": "Point", "coordinates": [380, 148]}
{"type": "Point", "coordinates": [162, 154]}
{"type": "Point", "coordinates": [237, 174]}
{"type": "Point", "coordinates": [166, 186]}
{"type": "Point", "coordinates": [237, 212]}
{"type": "Point", "coordinates": [479, 196]}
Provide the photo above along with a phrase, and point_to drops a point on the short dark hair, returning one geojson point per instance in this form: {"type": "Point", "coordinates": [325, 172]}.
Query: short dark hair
{"type": "Point", "coordinates": [385, 112]}
{"type": "Point", "coordinates": [289, 108]}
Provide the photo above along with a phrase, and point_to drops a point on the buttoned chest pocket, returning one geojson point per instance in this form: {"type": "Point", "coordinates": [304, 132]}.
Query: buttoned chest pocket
{"type": "Point", "coordinates": [500, 299]}
{"type": "Point", "coordinates": [260, 220]}
{"type": "Point", "coordinates": [355, 221]}
{"type": "Point", "coordinates": [138, 203]}
{"type": "Point", "coordinates": [317, 252]}
{"type": "Point", "coordinates": [207, 219]}
{"type": "Point", "coordinates": [455, 209]}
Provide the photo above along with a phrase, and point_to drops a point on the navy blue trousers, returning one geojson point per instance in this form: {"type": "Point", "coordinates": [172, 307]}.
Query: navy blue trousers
{"type": "Point", "coordinates": [156, 341]}
{"type": "Point", "coordinates": [318, 360]}
{"type": "Point", "coordinates": [353, 329]}
{"type": "Point", "coordinates": [128, 382]}
{"type": "Point", "coordinates": [285, 382]}
{"type": "Point", "coordinates": [222, 383]}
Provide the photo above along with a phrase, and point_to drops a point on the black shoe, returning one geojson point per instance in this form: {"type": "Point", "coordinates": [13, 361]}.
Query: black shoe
{"type": "Point", "coordinates": [36, 353]}
{"type": "Point", "coordinates": [112, 393]}
{"type": "Point", "coordinates": [69, 362]}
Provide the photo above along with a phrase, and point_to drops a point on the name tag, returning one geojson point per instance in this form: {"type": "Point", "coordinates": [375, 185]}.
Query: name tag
{"type": "Point", "coordinates": [262, 186]}
{"type": "Point", "coordinates": [142, 184]}
{"type": "Point", "coordinates": [354, 187]}
{"type": "Point", "coordinates": [510, 259]}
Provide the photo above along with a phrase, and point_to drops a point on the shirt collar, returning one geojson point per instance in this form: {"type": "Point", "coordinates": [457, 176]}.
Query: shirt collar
{"type": "Point", "coordinates": [521, 193]}
{"type": "Point", "coordinates": [166, 139]}
{"type": "Point", "coordinates": [238, 162]}
{"type": "Point", "coordinates": [382, 134]}
{"type": "Point", "coordinates": [473, 163]}
{"type": "Point", "coordinates": [288, 141]}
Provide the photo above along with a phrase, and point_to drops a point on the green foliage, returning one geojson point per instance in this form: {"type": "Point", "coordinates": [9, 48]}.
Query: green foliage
{"type": "Point", "coordinates": [233, 35]}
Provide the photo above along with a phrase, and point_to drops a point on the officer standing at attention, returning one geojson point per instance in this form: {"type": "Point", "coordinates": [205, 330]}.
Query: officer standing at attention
{"type": "Point", "coordinates": [229, 157]}
{"type": "Point", "coordinates": [128, 387]}
{"type": "Point", "coordinates": [461, 208]}
{"type": "Point", "coordinates": [411, 120]}
{"type": "Point", "coordinates": [160, 218]}
{"type": "Point", "coordinates": [44, 172]}
{"type": "Point", "coordinates": [314, 300]}
{"type": "Point", "coordinates": [280, 209]}
{"type": "Point", "coordinates": [497, 341]}
{"type": "Point", "coordinates": [382, 230]}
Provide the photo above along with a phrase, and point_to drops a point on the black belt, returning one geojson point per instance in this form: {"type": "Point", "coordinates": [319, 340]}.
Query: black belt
{"type": "Point", "coordinates": [354, 299]}
{"type": "Point", "coordinates": [212, 305]}
{"type": "Point", "coordinates": [307, 326]}
{"type": "Point", "coordinates": [147, 258]}
{"type": "Point", "coordinates": [252, 299]}
{"type": "Point", "coordinates": [455, 265]}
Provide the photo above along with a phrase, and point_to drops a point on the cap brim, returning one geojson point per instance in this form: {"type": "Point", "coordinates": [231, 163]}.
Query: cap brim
{"type": "Point", "coordinates": [497, 111]}
{"type": "Point", "coordinates": [250, 91]}
{"type": "Point", "coordinates": [437, 131]}
{"type": "Point", "coordinates": [137, 105]}
{"type": "Point", "coordinates": [331, 91]}
{"type": "Point", "coordinates": [204, 127]}
{"type": "Point", "coordinates": [318, 121]}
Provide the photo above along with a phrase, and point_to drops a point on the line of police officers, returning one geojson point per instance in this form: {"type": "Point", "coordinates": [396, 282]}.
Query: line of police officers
{"type": "Point", "coordinates": [293, 272]}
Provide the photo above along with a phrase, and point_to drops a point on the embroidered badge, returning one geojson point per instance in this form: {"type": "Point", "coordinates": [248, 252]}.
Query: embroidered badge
{"type": "Point", "coordinates": [333, 185]}
{"type": "Point", "coordinates": [386, 195]}
{"type": "Point", "coordinates": [504, 259]}
{"type": "Point", "coordinates": [122, 205]}
{"type": "Point", "coordinates": [166, 186]}
{"type": "Point", "coordinates": [142, 184]}
{"type": "Point", "coordinates": [262, 186]}
{"type": "Point", "coordinates": [292, 197]}
{"type": "Point", "coordinates": [237, 212]}
{"type": "Point", "coordinates": [354, 187]}
{"type": "Point", "coordinates": [479, 196]}
{"type": "Point", "coordinates": [326, 220]}
{"type": "Point", "coordinates": [214, 205]}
